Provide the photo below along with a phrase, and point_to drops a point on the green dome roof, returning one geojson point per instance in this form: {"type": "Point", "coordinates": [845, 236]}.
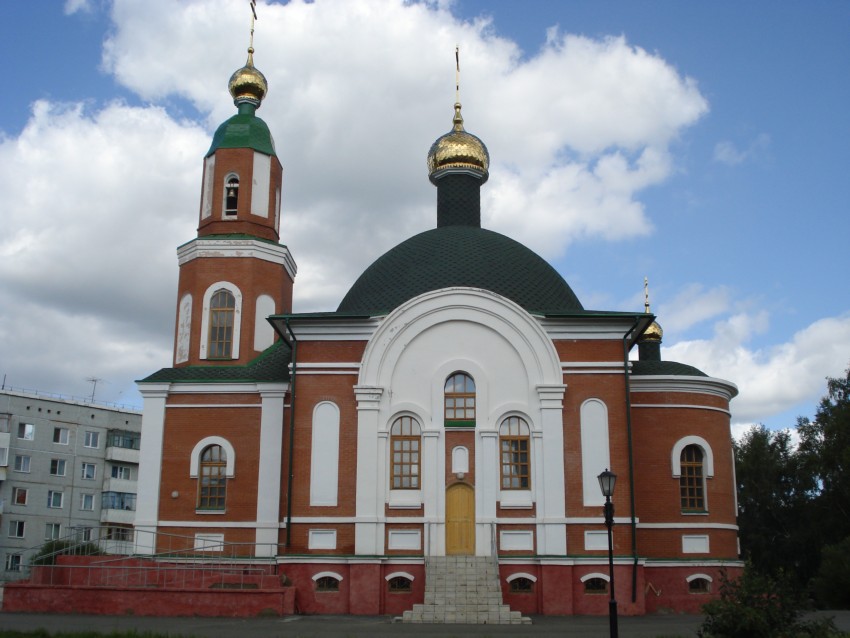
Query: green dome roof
{"type": "Point", "coordinates": [243, 130]}
{"type": "Point", "coordinates": [665, 368]}
{"type": "Point", "coordinates": [460, 256]}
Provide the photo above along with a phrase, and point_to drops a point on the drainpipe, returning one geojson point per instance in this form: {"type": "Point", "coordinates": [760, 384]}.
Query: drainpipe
{"type": "Point", "coordinates": [294, 344]}
{"type": "Point", "coordinates": [631, 457]}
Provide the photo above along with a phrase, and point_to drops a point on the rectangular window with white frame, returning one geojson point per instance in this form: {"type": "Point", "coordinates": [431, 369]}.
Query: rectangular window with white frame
{"type": "Point", "coordinates": [22, 463]}
{"type": "Point", "coordinates": [19, 496]}
{"type": "Point", "coordinates": [92, 439]}
{"type": "Point", "coordinates": [87, 502]}
{"type": "Point", "coordinates": [13, 562]}
{"type": "Point", "coordinates": [54, 499]}
{"type": "Point", "coordinates": [17, 529]}
{"type": "Point", "coordinates": [89, 471]}
{"type": "Point", "coordinates": [121, 472]}
{"type": "Point", "coordinates": [57, 467]}
{"type": "Point", "coordinates": [52, 531]}
{"type": "Point", "coordinates": [26, 431]}
{"type": "Point", "coordinates": [60, 436]}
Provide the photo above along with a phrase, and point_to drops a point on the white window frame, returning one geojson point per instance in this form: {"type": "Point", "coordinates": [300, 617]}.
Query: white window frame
{"type": "Point", "coordinates": [52, 531]}
{"type": "Point", "coordinates": [92, 439]}
{"type": "Point", "coordinates": [51, 494]}
{"type": "Point", "coordinates": [83, 469]}
{"type": "Point", "coordinates": [119, 470]}
{"type": "Point", "coordinates": [15, 492]}
{"type": "Point", "coordinates": [61, 467]}
{"type": "Point", "coordinates": [26, 460]}
{"type": "Point", "coordinates": [86, 497]}
{"type": "Point", "coordinates": [13, 562]}
{"type": "Point", "coordinates": [28, 431]}
{"type": "Point", "coordinates": [64, 435]}
{"type": "Point", "coordinates": [205, 318]}
{"type": "Point", "coordinates": [20, 529]}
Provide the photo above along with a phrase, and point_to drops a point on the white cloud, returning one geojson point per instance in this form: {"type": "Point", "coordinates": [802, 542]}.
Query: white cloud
{"type": "Point", "coordinates": [726, 152]}
{"type": "Point", "coordinates": [78, 6]}
{"type": "Point", "coordinates": [775, 379]}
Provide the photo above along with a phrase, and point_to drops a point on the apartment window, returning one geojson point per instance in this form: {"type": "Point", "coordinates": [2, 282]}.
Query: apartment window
{"type": "Point", "coordinates": [57, 467]}
{"type": "Point", "coordinates": [212, 486]}
{"type": "Point", "coordinates": [13, 562]}
{"type": "Point", "coordinates": [121, 472]}
{"type": "Point", "coordinates": [26, 431]}
{"type": "Point", "coordinates": [87, 502]}
{"type": "Point", "coordinates": [52, 531]}
{"type": "Point", "coordinates": [120, 438]}
{"type": "Point", "coordinates": [405, 444]}
{"type": "Point", "coordinates": [89, 471]}
{"type": "Point", "coordinates": [60, 436]}
{"type": "Point", "coordinates": [459, 400]}
{"type": "Point", "coordinates": [118, 501]}
{"type": "Point", "coordinates": [54, 499]}
{"type": "Point", "coordinates": [19, 496]}
{"type": "Point", "coordinates": [17, 529]}
{"type": "Point", "coordinates": [22, 463]}
{"type": "Point", "coordinates": [123, 534]}
{"type": "Point", "coordinates": [84, 534]}
{"type": "Point", "coordinates": [92, 439]}
{"type": "Point", "coordinates": [691, 482]}
{"type": "Point", "coordinates": [514, 438]}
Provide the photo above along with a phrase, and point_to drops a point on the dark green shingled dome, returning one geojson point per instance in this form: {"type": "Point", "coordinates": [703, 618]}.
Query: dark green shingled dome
{"type": "Point", "coordinates": [460, 256]}
{"type": "Point", "coordinates": [243, 130]}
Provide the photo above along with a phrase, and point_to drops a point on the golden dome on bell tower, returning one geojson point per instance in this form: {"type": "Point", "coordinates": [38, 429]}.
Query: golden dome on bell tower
{"type": "Point", "coordinates": [458, 150]}
{"type": "Point", "coordinates": [248, 85]}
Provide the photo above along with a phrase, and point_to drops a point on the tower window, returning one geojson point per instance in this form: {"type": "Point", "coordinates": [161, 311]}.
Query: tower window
{"type": "Point", "coordinates": [212, 487]}
{"type": "Point", "coordinates": [691, 483]}
{"type": "Point", "coordinates": [231, 196]}
{"type": "Point", "coordinates": [460, 400]}
{"type": "Point", "coordinates": [405, 443]}
{"type": "Point", "coordinates": [222, 310]}
{"type": "Point", "coordinates": [514, 449]}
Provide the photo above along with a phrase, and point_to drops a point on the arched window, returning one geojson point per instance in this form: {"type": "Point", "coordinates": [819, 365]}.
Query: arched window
{"type": "Point", "coordinates": [399, 584]}
{"type": "Point", "coordinates": [522, 585]}
{"type": "Point", "coordinates": [514, 440]}
{"type": "Point", "coordinates": [212, 486]}
{"type": "Point", "coordinates": [231, 195]}
{"type": "Point", "coordinates": [691, 480]}
{"type": "Point", "coordinates": [327, 581]}
{"type": "Point", "coordinates": [596, 586]}
{"type": "Point", "coordinates": [699, 584]}
{"type": "Point", "coordinates": [459, 400]}
{"type": "Point", "coordinates": [222, 310]}
{"type": "Point", "coordinates": [405, 443]}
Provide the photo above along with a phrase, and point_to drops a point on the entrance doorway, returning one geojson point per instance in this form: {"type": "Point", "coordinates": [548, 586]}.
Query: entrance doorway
{"type": "Point", "coordinates": [460, 520]}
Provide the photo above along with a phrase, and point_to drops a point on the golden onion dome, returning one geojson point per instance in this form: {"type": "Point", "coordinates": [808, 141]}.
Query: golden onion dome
{"type": "Point", "coordinates": [458, 150]}
{"type": "Point", "coordinates": [653, 333]}
{"type": "Point", "coordinates": [248, 85]}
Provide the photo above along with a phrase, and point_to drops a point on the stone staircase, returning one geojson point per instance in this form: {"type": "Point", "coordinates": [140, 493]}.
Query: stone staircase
{"type": "Point", "coordinates": [463, 589]}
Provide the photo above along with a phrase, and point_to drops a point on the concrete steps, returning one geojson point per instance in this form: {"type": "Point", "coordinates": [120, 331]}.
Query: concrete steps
{"type": "Point", "coordinates": [463, 589]}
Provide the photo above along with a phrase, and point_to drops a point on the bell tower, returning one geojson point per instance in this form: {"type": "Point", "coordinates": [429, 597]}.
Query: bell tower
{"type": "Point", "coordinates": [236, 272]}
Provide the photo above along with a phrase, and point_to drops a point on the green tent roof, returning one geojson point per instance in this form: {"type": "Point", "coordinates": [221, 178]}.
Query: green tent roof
{"type": "Point", "coordinates": [243, 130]}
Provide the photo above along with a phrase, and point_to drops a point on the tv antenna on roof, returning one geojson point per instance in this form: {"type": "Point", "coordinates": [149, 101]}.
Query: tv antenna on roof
{"type": "Point", "coordinates": [93, 381]}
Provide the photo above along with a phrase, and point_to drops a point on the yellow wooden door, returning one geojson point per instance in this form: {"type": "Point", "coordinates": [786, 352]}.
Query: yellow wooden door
{"type": "Point", "coordinates": [460, 520]}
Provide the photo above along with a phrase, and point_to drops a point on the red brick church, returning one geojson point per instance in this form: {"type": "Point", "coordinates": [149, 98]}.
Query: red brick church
{"type": "Point", "coordinates": [460, 401]}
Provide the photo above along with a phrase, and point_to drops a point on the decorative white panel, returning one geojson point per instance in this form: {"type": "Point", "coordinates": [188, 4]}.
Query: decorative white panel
{"type": "Point", "coordinates": [460, 460]}
{"type": "Point", "coordinates": [594, 449]}
{"type": "Point", "coordinates": [321, 539]}
{"type": "Point", "coordinates": [206, 196]}
{"type": "Point", "coordinates": [263, 331]}
{"type": "Point", "coordinates": [260, 185]}
{"type": "Point", "coordinates": [404, 539]}
{"type": "Point", "coordinates": [184, 329]}
{"type": "Point", "coordinates": [209, 542]}
{"type": "Point", "coordinates": [324, 466]}
{"type": "Point", "coordinates": [596, 540]}
{"type": "Point", "coordinates": [695, 544]}
{"type": "Point", "coordinates": [521, 540]}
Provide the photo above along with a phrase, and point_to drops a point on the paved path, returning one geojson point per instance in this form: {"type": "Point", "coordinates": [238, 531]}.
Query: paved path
{"type": "Point", "coordinates": [363, 626]}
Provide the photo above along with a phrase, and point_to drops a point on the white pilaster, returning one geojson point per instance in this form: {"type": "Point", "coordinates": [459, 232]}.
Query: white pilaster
{"type": "Point", "coordinates": [269, 476]}
{"type": "Point", "coordinates": [486, 489]}
{"type": "Point", "coordinates": [150, 466]}
{"type": "Point", "coordinates": [551, 501]}
{"type": "Point", "coordinates": [369, 505]}
{"type": "Point", "coordinates": [434, 491]}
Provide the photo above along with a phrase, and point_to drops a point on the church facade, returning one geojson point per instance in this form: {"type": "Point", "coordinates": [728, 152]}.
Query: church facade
{"type": "Point", "coordinates": [459, 401]}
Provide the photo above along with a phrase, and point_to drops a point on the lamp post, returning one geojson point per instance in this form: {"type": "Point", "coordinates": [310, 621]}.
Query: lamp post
{"type": "Point", "coordinates": [606, 482]}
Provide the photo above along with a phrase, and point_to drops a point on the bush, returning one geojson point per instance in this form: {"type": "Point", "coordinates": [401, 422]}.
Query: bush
{"type": "Point", "coordinates": [760, 606]}
{"type": "Point", "coordinates": [831, 586]}
{"type": "Point", "coordinates": [49, 551]}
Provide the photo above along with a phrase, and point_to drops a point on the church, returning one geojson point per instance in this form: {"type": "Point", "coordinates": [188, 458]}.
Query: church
{"type": "Point", "coordinates": [459, 402]}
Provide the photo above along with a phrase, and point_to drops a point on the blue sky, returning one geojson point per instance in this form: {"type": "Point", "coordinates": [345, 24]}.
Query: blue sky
{"type": "Point", "coordinates": [703, 145]}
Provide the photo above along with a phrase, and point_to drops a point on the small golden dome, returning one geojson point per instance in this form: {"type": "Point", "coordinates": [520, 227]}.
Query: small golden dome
{"type": "Point", "coordinates": [653, 333]}
{"type": "Point", "coordinates": [248, 84]}
{"type": "Point", "coordinates": [458, 149]}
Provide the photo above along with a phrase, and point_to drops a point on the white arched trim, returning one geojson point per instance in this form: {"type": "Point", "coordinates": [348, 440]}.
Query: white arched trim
{"type": "Point", "coordinates": [513, 577]}
{"type": "Point", "coordinates": [694, 577]}
{"type": "Point", "coordinates": [595, 449]}
{"type": "Point", "coordinates": [604, 577]}
{"type": "Point", "coordinates": [681, 444]}
{"type": "Point", "coordinates": [195, 459]}
{"type": "Point", "coordinates": [237, 317]}
{"type": "Point", "coordinates": [333, 575]}
{"type": "Point", "coordinates": [399, 575]}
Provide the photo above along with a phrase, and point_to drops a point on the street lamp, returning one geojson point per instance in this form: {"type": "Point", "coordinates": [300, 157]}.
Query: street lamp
{"type": "Point", "coordinates": [606, 483]}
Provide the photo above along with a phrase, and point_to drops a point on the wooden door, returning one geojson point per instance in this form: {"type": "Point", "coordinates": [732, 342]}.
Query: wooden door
{"type": "Point", "coordinates": [460, 520]}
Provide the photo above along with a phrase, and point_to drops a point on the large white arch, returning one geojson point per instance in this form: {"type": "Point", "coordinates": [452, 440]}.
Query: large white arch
{"type": "Point", "coordinates": [237, 317]}
{"type": "Point", "coordinates": [681, 444]}
{"type": "Point", "coordinates": [230, 455]}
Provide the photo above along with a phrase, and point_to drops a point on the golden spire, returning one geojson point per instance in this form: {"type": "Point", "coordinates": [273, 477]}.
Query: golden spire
{"type": "Point", "coordinates": [654, 332]}
{"type": "Point", "coordinates": [247, 85]}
